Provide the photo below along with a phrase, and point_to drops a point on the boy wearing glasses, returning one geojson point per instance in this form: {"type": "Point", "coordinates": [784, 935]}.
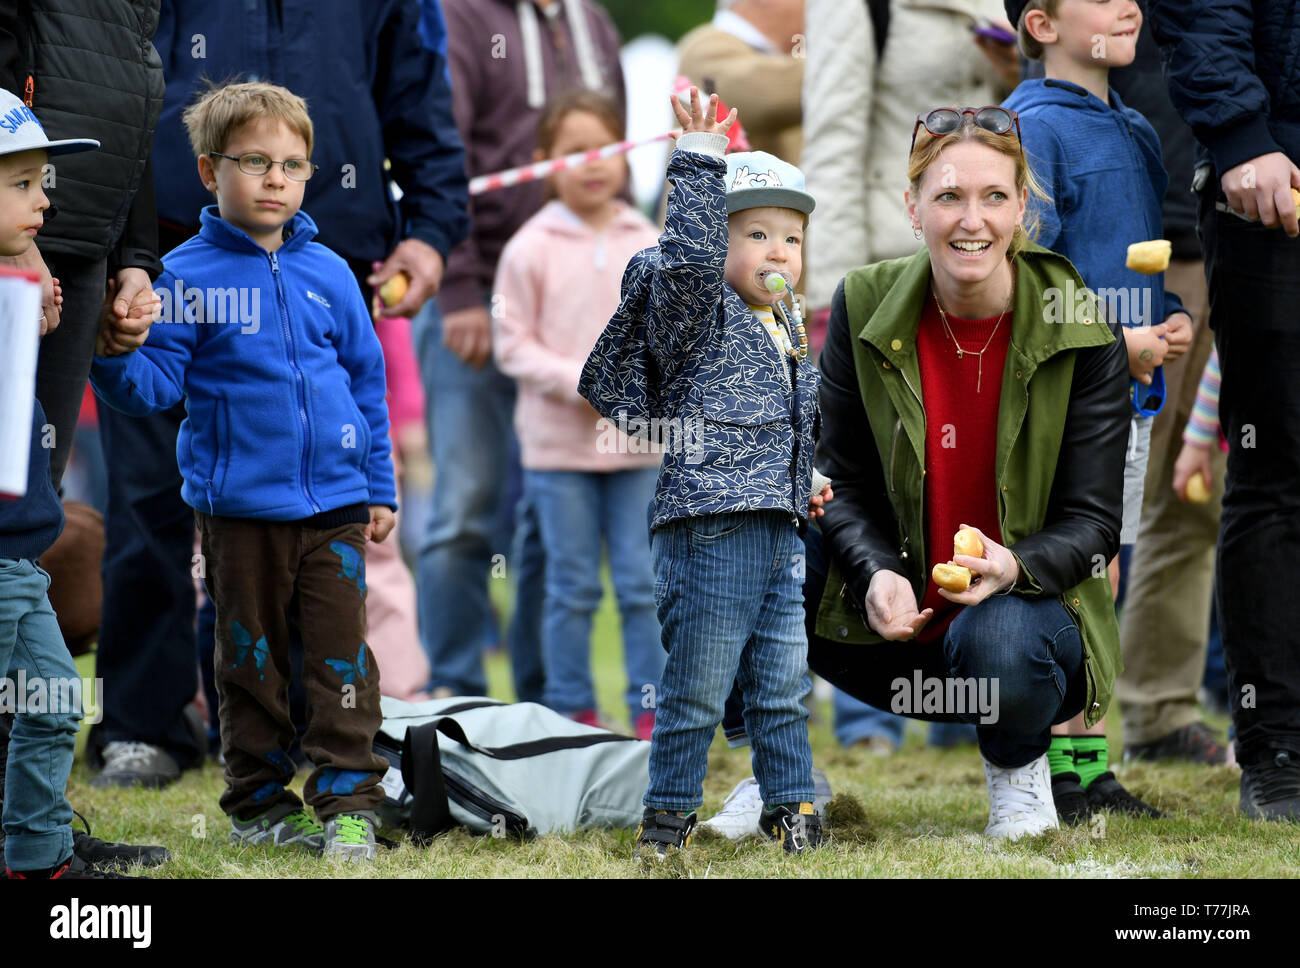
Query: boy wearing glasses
{"type": "Point", "coordinates": [285, 458]}
{"type": "Point", "coordinates": [1100, 162]}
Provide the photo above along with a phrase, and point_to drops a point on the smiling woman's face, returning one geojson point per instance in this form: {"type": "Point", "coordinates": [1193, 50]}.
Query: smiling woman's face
{"type": "Point", "coordinates": [968, 208]}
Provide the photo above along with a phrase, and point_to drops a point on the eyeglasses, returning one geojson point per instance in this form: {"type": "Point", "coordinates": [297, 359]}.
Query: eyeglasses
{"type": "Point", "coordinates": [942, 121]}
{"type": "Point", "coordinates": [256, 163]}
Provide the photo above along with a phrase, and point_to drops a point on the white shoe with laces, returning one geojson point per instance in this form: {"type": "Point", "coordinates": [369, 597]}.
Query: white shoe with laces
{"type": "Point", "coordinates": [1020, 800]}
{"type": "Point", "coordinates": [739, 815]}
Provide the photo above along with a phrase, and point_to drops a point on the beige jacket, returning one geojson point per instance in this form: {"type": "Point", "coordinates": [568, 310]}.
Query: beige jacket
{"type": "Point", "coordinates": [858, 115]}
{"type": "Point", "coordinates": [764, 87]}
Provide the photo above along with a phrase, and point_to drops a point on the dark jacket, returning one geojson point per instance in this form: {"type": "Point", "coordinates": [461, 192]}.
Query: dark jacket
{"type": "Point", "coordinates": [497, 111]}
{"type": "Point", "coordinates": [94, 74]}
{"type": "Point", "coordinates": [282, 376]}
{"type": "Point", "coordinates": [1062, 432]}
{"type": "Point", "coordinates": [1233, 68]}
{"type": "Point", "coordinates": [374, 91]}
{"type": "Point", "coordinates": [684, 347]}
{"type": "Point", "coordinates": [32, 523]}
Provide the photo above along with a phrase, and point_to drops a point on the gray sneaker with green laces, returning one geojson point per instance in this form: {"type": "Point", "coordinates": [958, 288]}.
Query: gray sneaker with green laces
{"type": "Point", "coordinates": [351, 836]}
{"type": "Point", "coordinates": [282, 826]}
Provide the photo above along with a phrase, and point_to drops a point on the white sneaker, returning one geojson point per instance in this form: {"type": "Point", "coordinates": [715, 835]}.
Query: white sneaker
{"type": "Point", "coordinates": [739, 815]}
{"type": "Point", "coordinates": [1020, 800]}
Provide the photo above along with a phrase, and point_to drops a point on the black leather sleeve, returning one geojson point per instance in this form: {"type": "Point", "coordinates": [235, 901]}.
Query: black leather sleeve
{"type": "Point", "coordinates": [1084, 511]}
{"type": "Point", "coordinates": [859, 523]}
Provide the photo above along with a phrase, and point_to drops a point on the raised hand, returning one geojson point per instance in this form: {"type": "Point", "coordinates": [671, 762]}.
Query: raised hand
{"type": "Point", "coordinates": [700, 119]}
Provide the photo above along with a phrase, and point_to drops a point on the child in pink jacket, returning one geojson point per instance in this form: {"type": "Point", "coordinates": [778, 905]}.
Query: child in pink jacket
{"type": "Point", "coordinates": [558, 283]}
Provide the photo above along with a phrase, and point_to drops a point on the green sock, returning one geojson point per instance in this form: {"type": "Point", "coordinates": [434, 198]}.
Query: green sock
{"type": "Point", "coordinates": [1090, 757]}
{"type": "Point", "coordinates": [1060, 755]}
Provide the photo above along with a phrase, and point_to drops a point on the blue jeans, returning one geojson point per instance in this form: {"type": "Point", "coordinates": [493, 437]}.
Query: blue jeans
{"type": "Point", "coordinates": [730, 596]}
{"type": "Point", "coordinates": [41, 744]}
{"type": "Point", "coordinates": [470, 413]}
{"type": "Point", "coordinates": [1029, 647]}
{"type": "Point", "coordinates": [856, 721]}
{"type": "Point", "coordinates": [576, 510]}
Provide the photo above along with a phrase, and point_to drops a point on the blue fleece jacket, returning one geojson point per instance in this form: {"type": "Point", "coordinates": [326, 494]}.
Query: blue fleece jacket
{"type": "Point", "coordinates": [31, 523]}
{"type": "Point", "coordinates": [1101, 165]}
{"type": "Point", "coordinates": [277, 360]}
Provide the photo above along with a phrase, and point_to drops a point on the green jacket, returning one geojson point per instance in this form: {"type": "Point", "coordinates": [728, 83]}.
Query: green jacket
{"type": "Point", "coordinates": [1062, 430]}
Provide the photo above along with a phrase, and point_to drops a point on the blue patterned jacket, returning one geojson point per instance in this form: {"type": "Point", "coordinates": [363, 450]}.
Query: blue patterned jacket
{"type": "Point", "coordinates": [683, 359]}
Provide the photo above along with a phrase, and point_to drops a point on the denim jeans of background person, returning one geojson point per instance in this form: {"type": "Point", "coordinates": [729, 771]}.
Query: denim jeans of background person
{"type": "Point", "coordinates": [576, 511]}
{"type": "Point", "coordinates": [470, 414]}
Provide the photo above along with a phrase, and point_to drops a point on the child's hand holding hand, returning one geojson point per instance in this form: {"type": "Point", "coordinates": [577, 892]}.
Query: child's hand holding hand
{"type": "Point", "coordinates": [1146, 350]}
{"type": "Point", "coordinates": [1178, 335]}
{"type": "Point", "coordinates": [381, 522]}
{"type": "Point", "coordinates": [815, 509]}
{"type": "Point", "coordinates": [699, 119]}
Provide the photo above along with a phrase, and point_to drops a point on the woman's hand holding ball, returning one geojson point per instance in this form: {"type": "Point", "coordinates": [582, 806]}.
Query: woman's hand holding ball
{"type": "Point", "coordinates": [992, 567]}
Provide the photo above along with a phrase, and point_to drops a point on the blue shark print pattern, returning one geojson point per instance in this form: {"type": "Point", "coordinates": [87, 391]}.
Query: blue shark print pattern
{"type": "Point", "coordinates": [684, 346]}
{"type": "Point", "coordinates": [339, 782]}
{"type": "Point", "coordinates": [349, 670]}
{"type": "Point", "coordinates": [244, 644]}
{"type": "Point", "coordinates": [354, 565]}
{"type": "Point", "coordinates": [280, 760]}
{"type": "Point", "coordinates": [266, 791]}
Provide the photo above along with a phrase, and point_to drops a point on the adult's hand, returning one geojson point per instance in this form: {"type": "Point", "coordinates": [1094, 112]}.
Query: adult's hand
{"type": "Point", "coordinates": [424, 266]}
{"type": "Point", "coordinates": [468, 334]}
{"type": "Point", "coordinates": [130, 310]}
{"type": "Point", "coordinates": [1191, 459]}
{"type": "Point", "coordinates": [1260, 189]}
{"type": "Point", "coordinates": [891, 607]}
{"type": "Point", "coordinates": [991, 575]}
{"type": "Point", "coordinates": [51, 295]}
{"type": "Point", "coordinates": [1005, 58]}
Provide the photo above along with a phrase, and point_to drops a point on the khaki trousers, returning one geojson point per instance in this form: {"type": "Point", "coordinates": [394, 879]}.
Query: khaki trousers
{"type": "Point", "coordinates": [1166, 615]}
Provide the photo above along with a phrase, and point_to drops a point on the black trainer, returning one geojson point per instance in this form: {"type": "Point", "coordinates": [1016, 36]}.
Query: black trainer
{"type": "Point", "coordinates": [1070, 799]}
{"type": "Point", "coordinates": [661, 830]}
{"type": "Point", "coordinates": [1270, 788]}
{"type": "Point", "coordinates": [1195, 744]}
{"type": "Point", "coordinates": [797, 827]}
{"type": "Point", "coordinates": [108, 855]}
{"type": "Point", "coordinates": [1106, 793]}
{"type": "Point", "coordinates": [72, 869]}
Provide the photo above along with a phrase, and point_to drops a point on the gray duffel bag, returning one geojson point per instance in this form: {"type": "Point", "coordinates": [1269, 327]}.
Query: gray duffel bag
{"type": "Point", "coordinates": [508, 769]}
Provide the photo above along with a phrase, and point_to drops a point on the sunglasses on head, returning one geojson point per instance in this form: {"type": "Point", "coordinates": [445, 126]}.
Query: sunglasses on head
{"type": "Point", "coordinates": [942, 121]}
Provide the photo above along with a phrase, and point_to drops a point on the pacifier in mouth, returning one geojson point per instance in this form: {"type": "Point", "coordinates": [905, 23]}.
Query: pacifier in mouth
{"type": "Point", "coordinates": [774, 281]}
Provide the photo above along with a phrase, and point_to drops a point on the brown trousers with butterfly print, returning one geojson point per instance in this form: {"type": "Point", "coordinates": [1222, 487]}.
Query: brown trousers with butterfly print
{"type": "Point", "coordinates": [260, 574]}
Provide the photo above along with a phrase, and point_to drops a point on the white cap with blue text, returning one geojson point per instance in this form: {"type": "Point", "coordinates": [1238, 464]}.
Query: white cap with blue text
{"type": "Point", "coordinates": [21, 131]}
{"type": "Point", "coordinates": [756, 179]}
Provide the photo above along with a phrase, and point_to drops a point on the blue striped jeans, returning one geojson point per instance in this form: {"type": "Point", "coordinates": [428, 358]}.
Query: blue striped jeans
{"type": "Point", "coordinates": [729, 589]}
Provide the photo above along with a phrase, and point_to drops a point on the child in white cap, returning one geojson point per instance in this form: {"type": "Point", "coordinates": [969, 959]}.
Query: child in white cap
{"type": "Point", "coordinates": [702, 340]}
{"type": "Point", "coordinates": [38, 839]}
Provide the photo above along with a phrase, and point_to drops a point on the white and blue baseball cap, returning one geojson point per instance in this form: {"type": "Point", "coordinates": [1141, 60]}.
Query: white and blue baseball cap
{"type": "Point", "coordinates": [20, 130]}
{"type": "Point", "coordinates": [756, 179]}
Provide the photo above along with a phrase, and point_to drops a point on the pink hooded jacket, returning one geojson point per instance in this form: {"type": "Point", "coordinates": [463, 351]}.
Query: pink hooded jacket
{"type": "Point", "coordinates": [557, 285]}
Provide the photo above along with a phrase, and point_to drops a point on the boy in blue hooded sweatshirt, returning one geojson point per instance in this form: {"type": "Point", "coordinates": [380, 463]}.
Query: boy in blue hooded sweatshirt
{"type": "Point", "coordinates": [1100, 162]}
{"type": "Point", "coordinates": [285, 458]}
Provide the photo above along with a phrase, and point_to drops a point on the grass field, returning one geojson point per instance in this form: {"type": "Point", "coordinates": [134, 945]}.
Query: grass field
{"type": "Point", "coordinates": [917, 814]}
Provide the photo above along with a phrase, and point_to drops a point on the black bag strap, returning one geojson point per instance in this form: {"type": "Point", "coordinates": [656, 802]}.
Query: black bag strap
{"type": "Point", "coordinates": [422, 774]}
{"type": "Point", "coordinates": [879, 10]}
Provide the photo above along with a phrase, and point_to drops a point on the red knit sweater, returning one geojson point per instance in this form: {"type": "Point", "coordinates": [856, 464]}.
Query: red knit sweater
{"type": "Point", "coordinates": [960, 440]}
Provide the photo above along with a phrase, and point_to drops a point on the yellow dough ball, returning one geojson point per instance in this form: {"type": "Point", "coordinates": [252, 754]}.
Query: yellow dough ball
{"type": "Point", "coordinates": [967, 542]}
{"type": "Point", "coordinates": [1197, 492]}
{"type": "Point", "coordinates": [1149, 257]}
{"type": "Point", "coordinates": [955, 578]}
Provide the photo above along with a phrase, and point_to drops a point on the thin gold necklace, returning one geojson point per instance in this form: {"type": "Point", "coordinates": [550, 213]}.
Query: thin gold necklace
{"type": "Point", "coordinates": [943, 317]}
